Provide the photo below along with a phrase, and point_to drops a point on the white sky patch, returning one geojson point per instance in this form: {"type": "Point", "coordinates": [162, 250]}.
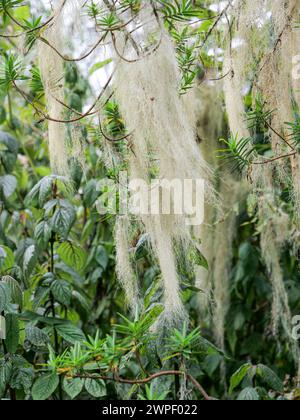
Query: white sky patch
{"type": "Point", "coordinates": [219, 7]}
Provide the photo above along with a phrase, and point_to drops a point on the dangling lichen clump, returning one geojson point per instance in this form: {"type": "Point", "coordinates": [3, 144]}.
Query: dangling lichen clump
{"type": "Point", "coordinates": [52, 73]}
{"type": "Point", "coordinates": [163, 136]}
{"type": "Point", "coordinates": [271, 78]}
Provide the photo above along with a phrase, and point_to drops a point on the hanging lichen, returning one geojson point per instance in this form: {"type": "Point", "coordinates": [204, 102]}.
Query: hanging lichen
{"type": "Point", "coordinates": [163, 137]}
{"type": "Point", "coordinates": [270, 76]}
{"type": "Point", "coordinates": [52, 72]}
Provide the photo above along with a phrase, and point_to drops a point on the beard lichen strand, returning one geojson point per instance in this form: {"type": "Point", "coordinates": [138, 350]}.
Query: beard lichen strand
{"type": "Point", "coordinates": [234, 65]}
{"type": "Point", "coordinates": [208, 102]}
{"type": "Point", "coordinates": [124, 269]}
{"type": "Point", "coordinates": [52, 73]}
{"type": "Point", "coordinates": [163, 138]}
{"type": "Point", "coordinates": [225, 232]}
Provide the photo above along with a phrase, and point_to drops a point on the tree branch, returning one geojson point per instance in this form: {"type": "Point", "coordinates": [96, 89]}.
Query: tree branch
{"type": "Point", "coordinates": [150, 378]}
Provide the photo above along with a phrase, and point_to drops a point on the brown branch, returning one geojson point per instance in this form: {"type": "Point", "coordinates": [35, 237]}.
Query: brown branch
{"type": "Point", "coordinates": [275, 158]}
{"type": "Point", "coordinates": [110, 139]}
{"type": "Point", "coordinates": [220, 16]}
{"type": "Point", "coordinates": [127, 60]}
{"type": "Point", "coordinates": [69, 59]}
{"type": "Point", "coordinates": [280, 136]}
{"type": "Point", "coordinates": [88, 113]}
{"type": "Point", "coordinates": [112, 8]}
{"type": "Point", "coordinates": [150, 378]}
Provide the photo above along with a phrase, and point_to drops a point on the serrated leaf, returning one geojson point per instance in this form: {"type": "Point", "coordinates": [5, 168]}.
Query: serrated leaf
{"type": "Point", "coordinates": [73, 386]}
{"type": "Point", "coordinates": [270, 378]}
{"type": "Point", "coordinates": [15, 290]}
{"type": "Point", "coordinates": [8, 185]}
{"type": "Point", "coordinates": [62, 292]}
{"type": "Point", "coordinates": [238, 376]}
{"type": "Point", "coordinates": [2, 328]}
{"type": "Point", "coordinates": [96, 388]}
{"type": "Point", "coordinates": [153, 293]}
{"type": "Point", "coordinates": [29, 260]}
{"type": "Point", "coordinates": [36, 336]}
{"type": "Point", "coordinates": [72, 255]}
{"type": "Point", "coordinates": [40, 192]}
{"type": "Point", "coordinates": [4, 296]}
{"type": "Point", "coordinates": [42, 234]}
{"type": "Point", "coordinates": [63, 218]}
{"type": "Point", "coordinates": [12, 332]}
{"type": "Point", "coordinates": [7, 258]}
{"type": "Point", "coordinates": [70, 333]}
{"type": "Point", "coordinates": [6, 370]}
{"type": "Point", "coordinates": [22, 378]}
{"type": "Point", "coordinates": [248, 394]}
{"type": "Point", "coordinates": [45, 386]}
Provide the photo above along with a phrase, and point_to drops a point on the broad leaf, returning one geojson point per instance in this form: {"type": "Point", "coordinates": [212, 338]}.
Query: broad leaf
{"type": "Point", "coordinates": [45, 386]}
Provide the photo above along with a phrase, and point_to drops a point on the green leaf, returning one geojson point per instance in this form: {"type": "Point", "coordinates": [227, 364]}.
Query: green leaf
{"type": "Point", "coordinates": [9, 154]}
{"type": "Point", "coordinates": [43, 190]}
{"type": "Point", "coordinates": [22, 378]}
{"type": "Point", "coordinates": [29, 260]}
{"type": "Point", "coordinates": [2, 328]}
{"type": "Point", "coordinates": [95, 387]}
{"type": "Point", "coordinates": [36, 336]}
{"type": "Point", "coordinates": [101, 257]}
{"type": "Point", "coordinates": [248, 394]}
{"type": "Point", "coordinates": [90, 193]}
{"type": "Point", "coordinates": [73, 386]}
{"type": "Point", "coordinates": [238, 377]}
{"type": "Point", "coordinates": [211, 363]}
{"type": "Point", "coordinates": [7, 259]}
{"type": "Point", "coordinates": [40, 192]}
{"type": "Point", "coordinates": [8, 185]}
{"type": "Point", "coordinates": [45, 386]}
{"type": "Point", "coordinates": [153, 293]}
{"type": "Point", "coordinates": [6, 370]}
{"type": "Point", "coordinates": [42, 234]}
{"type": "Point", "coordinates": [142, 247]}
{"type": "Point", "coordinates": [198, 258]}
{"type": "Point", "coordinates": [14, 290]}
{"type": "Point", "coordinates": [12, 332]}
{"type": "Point", "coordinates": [4, 296]}
{"type": "Point", "coordinates": [72, 255]}
{"type": "Point", "coordinates": [270, 378]}
{"type": "Point", "coordinates": [63, 218]}
{"type": "Point", "coordinates": [62, 292]}
{"type": "Point", "coordinates": [98, 66]}
{"type": "Point", "coordinates": [152, 315]}
{"type": "Point", "coordinates": [70, 333]}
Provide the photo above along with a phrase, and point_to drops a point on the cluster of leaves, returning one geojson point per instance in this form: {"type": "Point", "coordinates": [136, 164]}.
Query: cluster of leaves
{"type": "Point", "coordinates": [242, 153]}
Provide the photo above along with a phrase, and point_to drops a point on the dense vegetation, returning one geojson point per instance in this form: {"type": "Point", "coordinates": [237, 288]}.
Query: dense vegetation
{"type": "Point", "coordinates": [66, 329]}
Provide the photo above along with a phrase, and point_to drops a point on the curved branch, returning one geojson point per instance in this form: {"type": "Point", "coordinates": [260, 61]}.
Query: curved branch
{"type": "Point", "coordinates": [127, 60]}
{"type": "Point", "coordinates": [264, 162]}
{"type": "Point", "coordinates": [69, 59]}
{"type": "Point", "coordinates": [88, 113]}
{"type": "Point", "coordinates": [41, 26]}
{"type": "Point", "coordinates": [150, 379]}
{"type": "Point", "coordinates": [110, 139]}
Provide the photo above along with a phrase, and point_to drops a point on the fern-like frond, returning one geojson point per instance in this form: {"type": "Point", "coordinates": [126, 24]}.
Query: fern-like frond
{"type": "Point", "coordinates": [238, 152]}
